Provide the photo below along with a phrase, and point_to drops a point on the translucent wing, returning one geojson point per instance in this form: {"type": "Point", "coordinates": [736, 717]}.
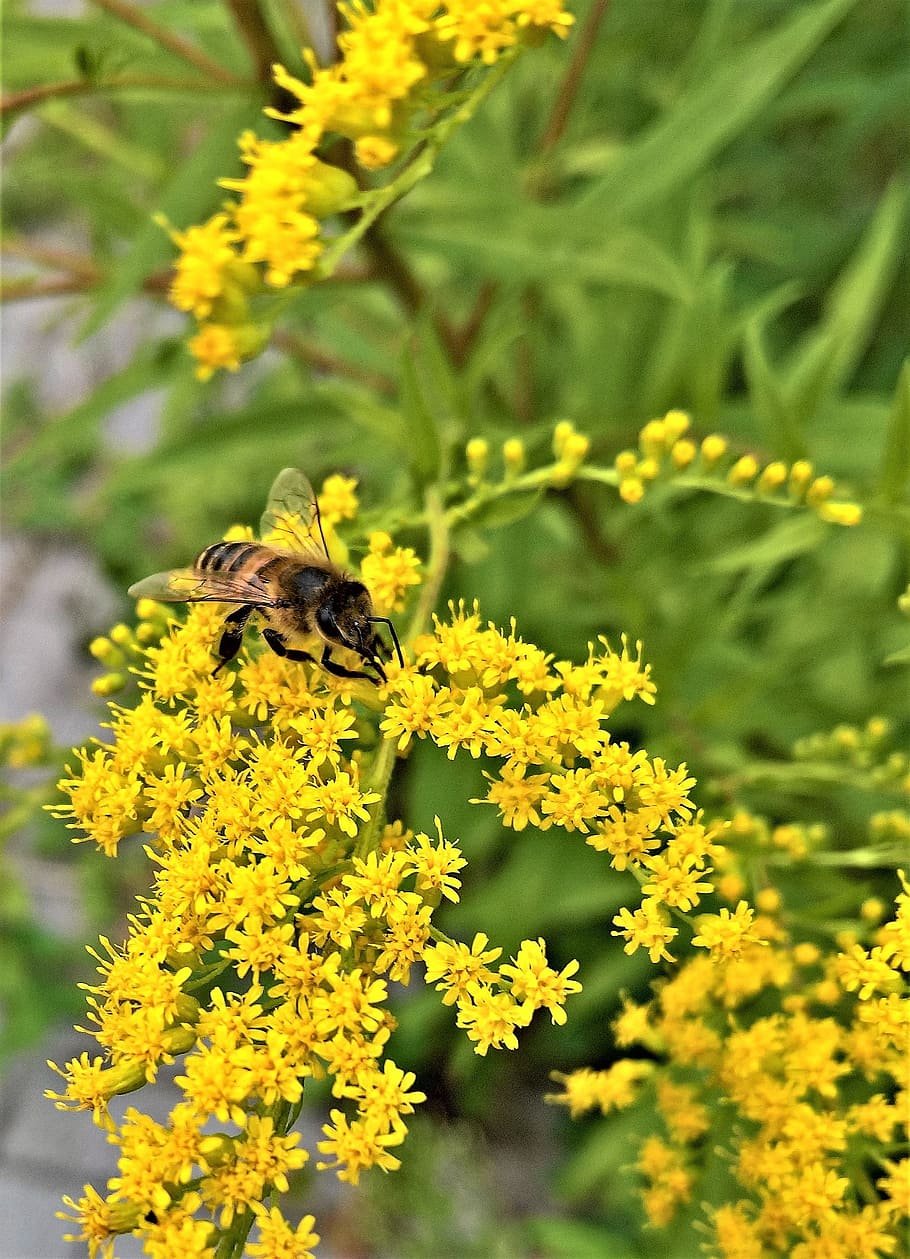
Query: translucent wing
{"type": "Point", "coordinates": [188, 585]}
{"type": "Point", "coordinates": [291, 518]}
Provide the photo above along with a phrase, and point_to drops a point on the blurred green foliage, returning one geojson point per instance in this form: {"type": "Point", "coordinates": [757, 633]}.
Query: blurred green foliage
{"type": "Point", "coordinates": [720, 227]}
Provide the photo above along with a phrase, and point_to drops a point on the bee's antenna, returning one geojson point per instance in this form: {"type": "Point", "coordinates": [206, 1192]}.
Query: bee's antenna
{"type": "Point", "coordinates": [384, 620]}
{"type": "Point", "coordinates": [318, 515]}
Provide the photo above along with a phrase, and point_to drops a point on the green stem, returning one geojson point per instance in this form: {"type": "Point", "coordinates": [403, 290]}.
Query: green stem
{"type": "Point", "coordinates": [16, 102]}
{"type": "Point", "coordinates": [165, 38]}
{"type": "Point", "coordinates": [380, 777]}
{"type": "Point", "coordinates": [233, 1242]}
{"type": "Point", "coordinates": [437, 522]}
{"type": "Point", "coordinates": [378, 201]}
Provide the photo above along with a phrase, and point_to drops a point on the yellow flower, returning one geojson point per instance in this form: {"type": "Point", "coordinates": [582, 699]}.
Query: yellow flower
{"type": "Point", "coordinates": [215, 346]}
{"type": "Point", "coordinates": [388, 572]}
{"type": "Point", "coordinates": [646, 928]}
{"type": "Point", "coordinates": [206, 254]}
{"type": "Point", "coordinates": [277, 1239]}
{"type": "Point", "coordinates": [356, 1145]}
{"type": "Point", "coordinates": [458, 968]}
{"type": "Point", "coordinates": [537, 984]}
{"type": "Point", "coordinates": [490, 1018]}
{"type": "Point", "coordinates": [726, 934]}
{"type": "Point", "coordinates": [616, 1088]}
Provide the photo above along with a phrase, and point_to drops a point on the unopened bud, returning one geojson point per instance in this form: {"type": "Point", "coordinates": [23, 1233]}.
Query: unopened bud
{"type": "Point", "coordinates": [773, 477]}
{"type": "Point", "coordinates": [744, 471]}
{"type": "Point", "coordinates": [514, 455]}
{"type": "Point", "coordinates": [713, 449]}
{"type": "Point", "coordinates": [683, 453]}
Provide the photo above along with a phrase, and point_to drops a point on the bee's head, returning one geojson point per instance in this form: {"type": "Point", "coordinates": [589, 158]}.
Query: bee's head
{"type": "Point", "coordinates": [345, 618]}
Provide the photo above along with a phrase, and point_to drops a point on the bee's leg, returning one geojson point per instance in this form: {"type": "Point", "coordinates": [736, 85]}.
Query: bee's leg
{"type": "Point", "coordinates": [232, 637]}
{"type": "Point", "coordinates": [278, 645]}
{"type": "Point", "coordinates": [339, 671]}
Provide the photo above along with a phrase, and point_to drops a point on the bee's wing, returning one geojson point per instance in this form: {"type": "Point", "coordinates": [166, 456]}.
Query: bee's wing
{"type": "Point", "coordinates": [292, 513]}
{"type": "Point", "coordinates": [188, 585]}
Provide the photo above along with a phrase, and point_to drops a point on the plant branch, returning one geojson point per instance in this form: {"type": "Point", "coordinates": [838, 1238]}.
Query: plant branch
{"type": "Point", "coordinates": [27, 98]}
{"type": "Point", "coordinates": [166, 38]}
{"type": "Point", "coordinates": [437, 521]}
{"type": "Point", "coordinates": [571, 83]}
{"type": "Point", "coordinates": [463, 338]}
{"type": "Point", "coordinates": [257, 37]}
{"type": "Point", "coordinates": [297, 346]}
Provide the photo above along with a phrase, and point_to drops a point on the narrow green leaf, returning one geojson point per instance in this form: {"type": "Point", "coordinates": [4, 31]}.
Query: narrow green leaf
{"type": "Point", "coordinates": [551, 246]}
{"type": "Point", "coordinates": [424, 450]}
{"type": "Point", "coordinates": [768, 397]}
{"type": "Point", "coordinates": [895, 468]}
{"type": "Point", "coordinates": [506, 511]}
{"type": "Point", "coordinates": [710, 114]}
{"type": "Point", "coordinates": [576, 1239]}
{"type": "Point", "coordinates": [439, 380]}
{"type": "Point", "coordinates": [794, 536]}
{"type": "Point", "coordinates": [827, 360]}
{"type": "Point", "coordinates": [191, 195]}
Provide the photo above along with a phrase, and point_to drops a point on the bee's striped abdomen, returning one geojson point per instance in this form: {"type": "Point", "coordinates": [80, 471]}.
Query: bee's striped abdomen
{"type": "Point", "coordinates": [225, 557]}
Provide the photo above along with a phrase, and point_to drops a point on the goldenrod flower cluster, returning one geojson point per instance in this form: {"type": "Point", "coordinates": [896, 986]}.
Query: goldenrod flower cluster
{"type": "Point", "coordinates": [666, 452]}
{"type": "Point", "coordinates": [790, 1054]}
{"type": "Point", "coordinates": [25, 743]}
{"type": "Point", "coordinates": [394, 56]}
{"type": "Point", "coordinates": [863, 749]}
{"type": "Point", "coordinates": [284, 902]}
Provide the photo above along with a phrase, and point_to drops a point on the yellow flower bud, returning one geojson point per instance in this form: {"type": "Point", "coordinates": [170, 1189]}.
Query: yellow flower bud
{"type": "Point", "coordinates": [514, 455]}
{"type": "Point", "coordinates": [773, 477]}
{"type": "Point", "coordinates": [800, 476]}
{"type": "Point", "coordinates": [878, 728]}
{"type": "Point", "coordinates": [626, 462]}
{"type": "Point", "coordinates": [648, 469]}
{"type": "Point", "coordinates": [676, 423]}
{"type": "Point", "coordinates": [847, 514]}
{"type": "Point", "coordinates": [631, 490]}
{"type": "Point", "coordinates": [683, 453]}
{"type": "Point", "coordinates": [109, 684]}
{"type": "Point", "coordinates": [872, 910]}
{"type": "Point", "coordinates": [102, 649]}
{"type": "Point", "coordinates": [713, 449]}
{"type": "Point", "coordinates": [576, 448]}
{"type": "Point", "coordinates": [744, 471]}
{"type": "Point", "coordinates": [820, 490]}
{"type": "Point", "coordinates": [768, 900]}
{"type": "Point", "coordinates": [122, 635]}
{"type": "Point", "coordinates": [652, 439]}
{"type": "Point", "coordinates": [149, 610]}
{"type": "Point", "coordinates": [806, 954]}
{"type": "Point", "coordinates": [374, 152]}
{"type": "Point", "coordinates": [477, 453]}
{"type": "Point", "coordinates": [561, 433]}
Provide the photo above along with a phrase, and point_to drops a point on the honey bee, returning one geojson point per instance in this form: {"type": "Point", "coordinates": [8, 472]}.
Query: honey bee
{"type": "Point", "coordinates": [297, 589]}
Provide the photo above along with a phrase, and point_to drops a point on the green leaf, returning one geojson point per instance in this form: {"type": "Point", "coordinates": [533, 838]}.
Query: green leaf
{"type": "Point", "coordinates": [895, 467]}
{"type": "Point", "coordinates": [796, 535]}
{"type": "Point", "coordinates": [423, 445]}
{"type": "Point", "coordinates": [830, 355]}
{"type": "Point", "coordinates": [191, 196]}
{"type": "Point", "coordinates": [710, 114]}
{"type": "Point", "coordinates": [551, 244]}
{"type": "Point", "coordinates": [506, 510]}
{"type": "Point", "coordinates": [574, 1239]}
{"type": "Point", "coordinates": [768, 396]}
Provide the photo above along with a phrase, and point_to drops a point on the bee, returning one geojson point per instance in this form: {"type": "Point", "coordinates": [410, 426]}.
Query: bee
{"type": "Point", "coordinates": [298, 589]}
